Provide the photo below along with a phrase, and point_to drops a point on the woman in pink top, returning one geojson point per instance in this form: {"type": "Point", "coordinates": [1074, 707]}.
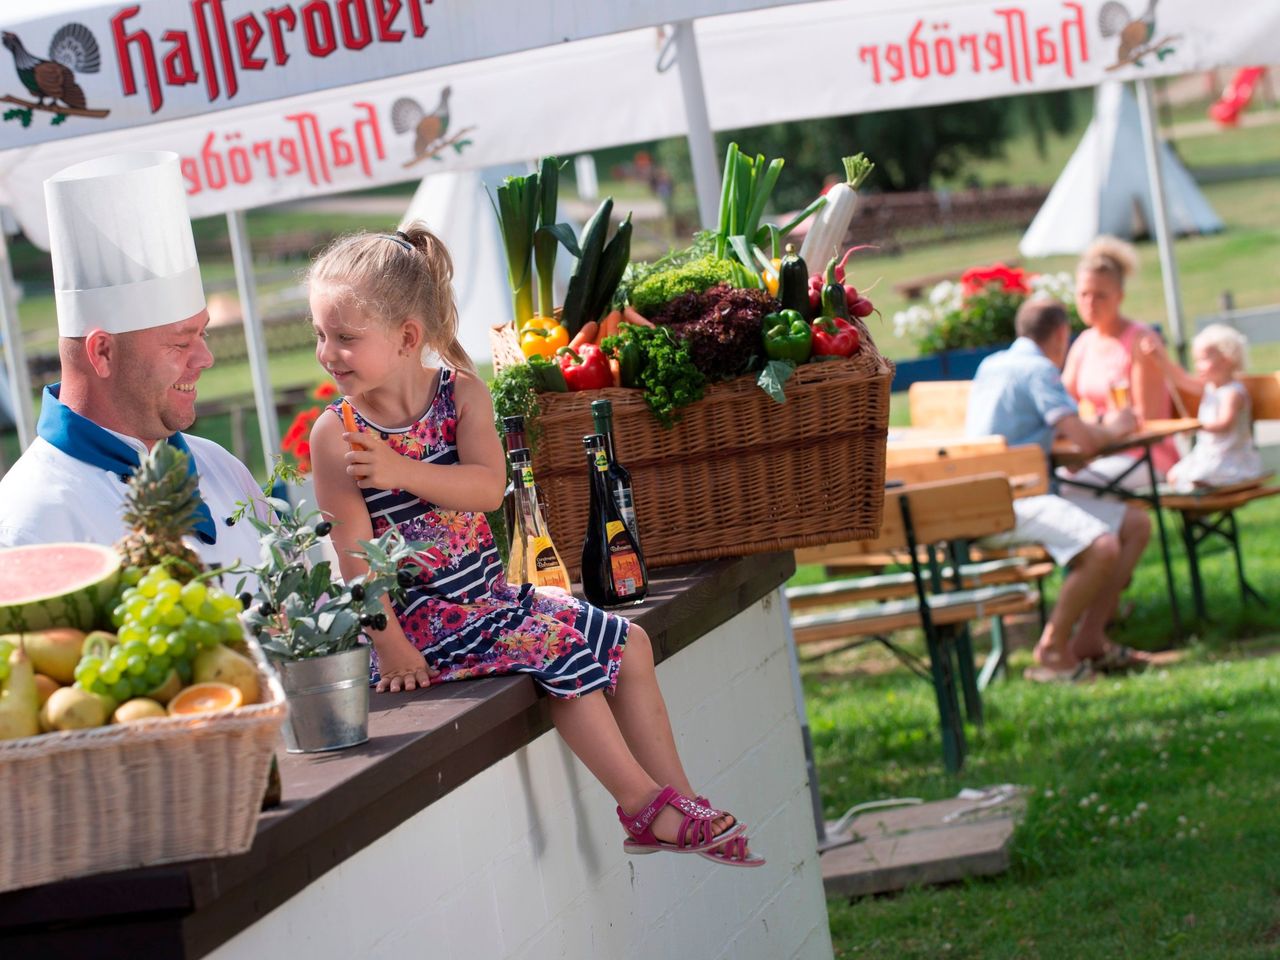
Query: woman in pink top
{"type": "Point", "coordinates": [1105, 366]}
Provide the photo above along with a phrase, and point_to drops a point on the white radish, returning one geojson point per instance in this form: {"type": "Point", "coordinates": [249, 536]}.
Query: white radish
{"type": "Point", "coordinates": [831, 223]}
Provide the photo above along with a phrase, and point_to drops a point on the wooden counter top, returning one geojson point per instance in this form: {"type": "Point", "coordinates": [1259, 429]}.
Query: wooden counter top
{"type": "Point", "coordinates": [421, 746]}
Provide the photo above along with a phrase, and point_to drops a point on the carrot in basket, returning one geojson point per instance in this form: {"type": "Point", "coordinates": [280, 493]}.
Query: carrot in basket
{"type": "Point", "coordinates": [609, 325]}
{"type": "Point", "coordinates": [631, 315]}
{"type": "Point", "coordinates": [586, 335]}
{"type": "Point", "coordinates": [616, 369]}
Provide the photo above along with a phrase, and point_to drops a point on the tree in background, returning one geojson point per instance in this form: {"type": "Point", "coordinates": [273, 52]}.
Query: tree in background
{"type": "Point", "coordinates": [913, 149]}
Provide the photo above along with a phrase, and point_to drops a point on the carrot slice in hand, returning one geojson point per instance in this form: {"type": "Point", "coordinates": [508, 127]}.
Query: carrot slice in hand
{"type": "Point", "coordinates": [349, 422]}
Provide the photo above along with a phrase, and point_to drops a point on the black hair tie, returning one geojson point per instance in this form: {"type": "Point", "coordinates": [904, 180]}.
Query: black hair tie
{"type": "Point", "coordinates": [401, 238]}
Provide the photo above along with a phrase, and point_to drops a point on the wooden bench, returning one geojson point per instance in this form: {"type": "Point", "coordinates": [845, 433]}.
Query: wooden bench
{"type": "Point", "coordinates": [1211, 512]}
{"type": "Point", "coordinates": [939, 515]}
{"type": "Point", "coordinates": [939, 404]}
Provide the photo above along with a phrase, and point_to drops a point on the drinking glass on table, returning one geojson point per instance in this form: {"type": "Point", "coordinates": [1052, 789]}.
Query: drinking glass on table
{"type": "Point", "coordinates": [1121, 399]}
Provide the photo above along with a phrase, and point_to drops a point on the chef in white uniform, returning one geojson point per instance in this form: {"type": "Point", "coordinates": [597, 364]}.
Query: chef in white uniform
{"type": "Point", "coordinates": [131, 324]}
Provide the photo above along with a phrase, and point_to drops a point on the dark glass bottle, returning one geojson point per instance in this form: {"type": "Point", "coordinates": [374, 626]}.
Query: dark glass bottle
{"type": "Point", "coordinates": [513, 439]}
{"type": "Point", "coordinates": [613, 571]}
{"type": "Point", "coordinates": [619, 479]}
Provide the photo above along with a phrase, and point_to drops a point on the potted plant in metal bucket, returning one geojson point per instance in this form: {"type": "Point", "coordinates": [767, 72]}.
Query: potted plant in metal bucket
{"type": "Point", "coordinates": [311, 624]}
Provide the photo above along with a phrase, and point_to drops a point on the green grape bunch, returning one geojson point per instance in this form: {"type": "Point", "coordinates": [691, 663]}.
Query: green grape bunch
{"type": "Point", "coordinates": [161, 624]}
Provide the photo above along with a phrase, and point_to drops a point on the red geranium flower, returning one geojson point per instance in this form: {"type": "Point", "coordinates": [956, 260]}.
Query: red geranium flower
{"type": "Point", "coordinates": [1011, 279]}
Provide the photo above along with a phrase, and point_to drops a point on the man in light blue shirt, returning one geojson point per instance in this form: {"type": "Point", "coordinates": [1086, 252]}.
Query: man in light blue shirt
{"type": "Point", "coordinates": [1018, 394]}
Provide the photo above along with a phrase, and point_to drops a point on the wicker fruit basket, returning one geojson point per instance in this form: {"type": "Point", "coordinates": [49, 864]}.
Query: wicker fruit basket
{"type": "Point", "coordinates": [136, 794]}
{"type": "Point", "coordinates": [740, 473]}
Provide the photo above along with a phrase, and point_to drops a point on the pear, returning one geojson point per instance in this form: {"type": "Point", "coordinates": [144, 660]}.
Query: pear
{"type": "Point", "coordinates": [71, 708]}
{"type": "Point", "coordinates": [44, 687]}
{"type": "Point", "coordinates": [19, 708]}
{"type": "Point", "coordinates": [55, 652]}
{"type": "Point", "coordinates": [221, 664]}
{"type": "Point", "coordinates": [139, 708]}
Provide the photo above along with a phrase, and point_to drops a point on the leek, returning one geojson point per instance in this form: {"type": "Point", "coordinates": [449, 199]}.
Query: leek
{"type": "Point", "coordinates": [517, 210]}
{"type": "Point", "coordinates": [545, 241]}
{"type": "Point", "coordinates": [745, 191]}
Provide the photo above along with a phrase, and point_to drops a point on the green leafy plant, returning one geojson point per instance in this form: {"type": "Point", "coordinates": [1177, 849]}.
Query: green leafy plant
{"type": "Point", "coordinates": [667, 373]}
{"type": "Point", "coordinates": [978, 311]}
{"type": "Point", "coordinates": [515, 394]}
{"type": "Point", "coordinates": [301, 609]}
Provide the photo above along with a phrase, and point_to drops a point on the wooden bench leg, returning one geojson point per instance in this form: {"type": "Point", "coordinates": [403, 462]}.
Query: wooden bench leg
{"type": "Point", "coordinates": [996, 660]}
{"type": "Point", "coordinates": [944, 688]}
{"type": "Point", "coordinates": [1192, 542]}
{"type": "Point", "coordinates": [1246, 589]}
{"type": "Point", "coordinates": [968, 674]}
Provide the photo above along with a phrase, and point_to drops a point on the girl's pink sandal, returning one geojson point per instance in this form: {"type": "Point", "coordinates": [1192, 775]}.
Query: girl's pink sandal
{"type": "Point", "coordinates": [733, 852]}
{"type": "Point", "coordinates": [696, 833]}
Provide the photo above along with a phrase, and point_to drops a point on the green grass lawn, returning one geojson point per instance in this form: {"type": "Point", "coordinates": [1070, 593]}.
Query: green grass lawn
{"type": "Point", "coordinates": [1151, 830]}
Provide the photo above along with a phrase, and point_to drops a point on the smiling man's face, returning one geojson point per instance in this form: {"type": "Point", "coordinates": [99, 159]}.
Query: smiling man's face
{"type": "Point", "coordinates": [154, 378]}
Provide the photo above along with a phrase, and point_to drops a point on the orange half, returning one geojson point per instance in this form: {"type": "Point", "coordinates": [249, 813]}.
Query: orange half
{"type": "Point", "coordinates": [205, 698]}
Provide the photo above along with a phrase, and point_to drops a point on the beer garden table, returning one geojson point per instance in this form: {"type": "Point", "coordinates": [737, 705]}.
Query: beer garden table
{"type": "Point", "coordinates": [1071, 457]}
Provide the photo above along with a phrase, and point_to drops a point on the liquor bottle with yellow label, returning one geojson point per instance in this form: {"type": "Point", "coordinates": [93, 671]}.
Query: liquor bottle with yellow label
{"type": "Point", "coordinates": [533, 557]}
{"type": "Point", "coordinates": [613, 571]}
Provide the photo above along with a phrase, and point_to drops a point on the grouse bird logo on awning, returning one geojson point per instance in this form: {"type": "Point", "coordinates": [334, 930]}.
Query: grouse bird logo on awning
{"type": "Point", "coordinates": [52, 82]}
{"type": "Point", "coordinates": [430, 130]}
{"type": "Point", "coordinates": [1135, 33]}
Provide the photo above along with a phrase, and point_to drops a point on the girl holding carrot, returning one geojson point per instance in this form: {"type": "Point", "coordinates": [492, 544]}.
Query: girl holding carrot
{"type": "Point", "coordinates": [424, 456]}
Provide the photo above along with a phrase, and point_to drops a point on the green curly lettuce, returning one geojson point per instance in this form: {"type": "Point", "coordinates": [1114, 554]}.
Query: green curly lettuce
{"type": "Point", "coordinates": [658, 289]}
{"type": "Point", "coordinates": [667, 374]}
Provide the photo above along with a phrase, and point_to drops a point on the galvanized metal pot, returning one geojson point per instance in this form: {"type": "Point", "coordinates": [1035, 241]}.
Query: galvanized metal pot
{"type": "Point", "coordinates": [328, 701]}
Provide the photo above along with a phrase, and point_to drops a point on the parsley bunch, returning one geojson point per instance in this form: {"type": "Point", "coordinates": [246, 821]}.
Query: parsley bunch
{"type": "Point", "coordinates": [667, 375]}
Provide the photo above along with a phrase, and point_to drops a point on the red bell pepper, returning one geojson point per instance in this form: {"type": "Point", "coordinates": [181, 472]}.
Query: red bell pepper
{"type": "Point", "coordinates": [586, 368]}
{"type": "Point", "coordinates": [834, 337]}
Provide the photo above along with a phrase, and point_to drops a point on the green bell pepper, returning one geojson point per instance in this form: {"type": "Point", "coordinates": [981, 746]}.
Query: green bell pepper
{"type": "Point", "coordinates": [787, 337]}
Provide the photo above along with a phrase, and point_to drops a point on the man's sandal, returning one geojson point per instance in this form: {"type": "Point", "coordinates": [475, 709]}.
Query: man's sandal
{"type": "Point", "coordinates": [733, 852]}
{"type": "Point", "coordinates": [696, 832]}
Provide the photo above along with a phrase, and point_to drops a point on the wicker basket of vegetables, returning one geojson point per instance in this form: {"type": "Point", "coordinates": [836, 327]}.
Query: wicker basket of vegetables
{"type": "Point", "coordinates": [750, 404]}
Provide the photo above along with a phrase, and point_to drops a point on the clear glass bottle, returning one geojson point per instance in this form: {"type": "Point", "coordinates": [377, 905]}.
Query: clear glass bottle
{"type": "Point", "coordinates": [533, 558]}
{"type": "Point", "coordinates": [618, 479]}
{"type": "Point", "coordinates": [613, 571]}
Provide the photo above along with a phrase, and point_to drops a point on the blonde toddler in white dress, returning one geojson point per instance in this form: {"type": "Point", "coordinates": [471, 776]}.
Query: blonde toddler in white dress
{"type": "Point", "coordinates": [1224, 452]}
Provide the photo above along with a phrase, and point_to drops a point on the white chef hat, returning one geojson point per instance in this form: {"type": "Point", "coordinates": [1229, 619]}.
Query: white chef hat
{"type": "Point", "coordinates": [123, 254]}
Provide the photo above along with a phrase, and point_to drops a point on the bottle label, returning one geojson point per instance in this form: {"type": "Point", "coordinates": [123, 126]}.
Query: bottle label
{"type": "Point", "coordinates": [602, 461]}
{"type": "Point", "coordinates": [547, 570]}
{"type": "Point", "coordinates": [626, 506]}
{"type": "Point", "coordinates": [526, 476]}
{"type": "Point", "coordinates": [624, 564]}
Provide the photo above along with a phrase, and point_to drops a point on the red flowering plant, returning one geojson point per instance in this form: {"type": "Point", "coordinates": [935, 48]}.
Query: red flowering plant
{"type": "Point", "coordinates": [978, 311]}
{"type": "Point", "coordinates": [297, 439]}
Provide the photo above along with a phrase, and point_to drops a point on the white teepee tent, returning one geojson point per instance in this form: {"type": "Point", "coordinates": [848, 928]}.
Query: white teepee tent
{"type": "Point", "coordinates": [1104, 188]}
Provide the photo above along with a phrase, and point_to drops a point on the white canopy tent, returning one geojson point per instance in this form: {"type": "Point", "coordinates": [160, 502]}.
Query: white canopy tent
{"type": "Point", "coordinates": [1106, 187]}
{"type": "Point", "coordinates": [518, 90]}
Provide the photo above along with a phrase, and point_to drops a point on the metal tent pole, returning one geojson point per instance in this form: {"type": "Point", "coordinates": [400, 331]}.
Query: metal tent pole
{"type": "Point", "coordinates": [702, 142]}
{"type": "Point", "coordinates": [15, 353]}
{"type": "Point", "coordinates": [259, 372]}
{"type": "Point", "coordinates": [1159, 213]}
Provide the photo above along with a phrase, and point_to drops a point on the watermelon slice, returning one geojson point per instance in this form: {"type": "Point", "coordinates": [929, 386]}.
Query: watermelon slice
{"type": "Point", "coordinates": [56, 585]}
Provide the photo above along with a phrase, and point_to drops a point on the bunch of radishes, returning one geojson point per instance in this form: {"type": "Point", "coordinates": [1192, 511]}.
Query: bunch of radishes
{"type": "Point", "coordinates": [859, 306]}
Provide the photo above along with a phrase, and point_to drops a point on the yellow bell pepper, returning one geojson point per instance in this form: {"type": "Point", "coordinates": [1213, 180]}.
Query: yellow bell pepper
{"type": "Point", "coordinates": [542, 336]}
{"type": "Point", "coordinates": [771, 279]}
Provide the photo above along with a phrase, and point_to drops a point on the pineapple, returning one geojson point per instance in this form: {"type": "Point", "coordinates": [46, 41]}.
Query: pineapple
{"type": "Point", "coordinates": [161, 507]}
